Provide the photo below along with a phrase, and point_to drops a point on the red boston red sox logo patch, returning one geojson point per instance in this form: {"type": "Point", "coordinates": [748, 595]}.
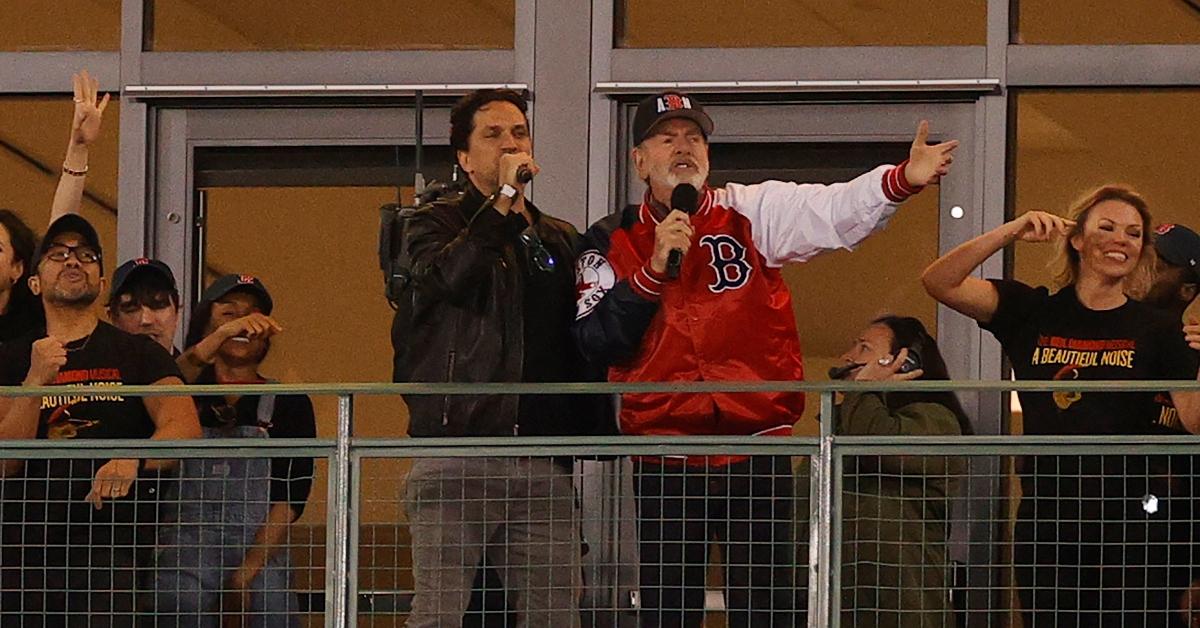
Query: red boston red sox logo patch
{"type": "Point", "coordinates": [673, 102]}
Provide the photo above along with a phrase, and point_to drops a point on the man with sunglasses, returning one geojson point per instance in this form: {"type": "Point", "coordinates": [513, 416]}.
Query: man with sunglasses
{"type": "Point", "coordinates": [490, 300]}
{"type": "Point", "coordinates": [87, 524]}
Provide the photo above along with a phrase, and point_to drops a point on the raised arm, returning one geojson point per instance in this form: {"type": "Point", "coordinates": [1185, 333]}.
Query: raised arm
{"type": "Point", "coordinates": [949, 278]}
{"type": "Point", "coordinates": [451, 263]}
{"type": "Point", "coordinates": [85, 128]}
{"type": "Point", "coordinates": [794, 222]}
{"type": "Point", "coordinates": [201, 355]}
{"type": "Point", "coordinates": [612, 314]}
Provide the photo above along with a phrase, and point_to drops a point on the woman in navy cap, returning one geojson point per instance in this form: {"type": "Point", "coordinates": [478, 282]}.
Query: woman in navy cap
{"type": "Point", "coordinates": [227, 554]}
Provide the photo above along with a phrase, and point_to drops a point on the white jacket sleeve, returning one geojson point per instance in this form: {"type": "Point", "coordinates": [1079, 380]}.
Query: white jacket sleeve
{"type": "Point", "coordinates": [793, 222]}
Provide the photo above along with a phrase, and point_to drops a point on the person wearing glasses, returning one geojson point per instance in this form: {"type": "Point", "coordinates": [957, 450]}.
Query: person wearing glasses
{"type": "Point", "coordinates": [88, 524]}
{"type": "Point", "coordinates": [226, 554]}
{"type": "Point", "coordinates": [725, 313]}
{"type": "Point", "coordinates": [491, 299]}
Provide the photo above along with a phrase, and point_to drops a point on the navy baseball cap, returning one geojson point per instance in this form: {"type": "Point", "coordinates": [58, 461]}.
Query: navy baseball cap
{"type": "Point", "coordinates": [139, 267]}
{"type": "Point", "coordinates": [1178, 246]}
{"type": "Point", "coordinates": [239, 283]}
{"type": "Point", "coordinates": [664, 106]}
{"type": "Point", "coordinates": [71, 223]}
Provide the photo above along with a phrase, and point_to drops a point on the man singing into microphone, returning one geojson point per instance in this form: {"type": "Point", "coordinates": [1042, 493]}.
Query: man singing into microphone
{"type": "Point", "coordinates": [727, 316]}
{"type": "Point", "coordinates": [491, 299]}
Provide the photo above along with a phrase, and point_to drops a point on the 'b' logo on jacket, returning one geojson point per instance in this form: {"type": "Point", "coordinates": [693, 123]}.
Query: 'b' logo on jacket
{"type": "Point", "coordinates": [728, 259]}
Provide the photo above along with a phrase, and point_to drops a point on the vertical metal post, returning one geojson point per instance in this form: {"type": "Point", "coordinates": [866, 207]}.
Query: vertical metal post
{"type": "Point", "coordinates": [355, 524]}
{"type": "Point", "coordinates": [820, 517]}
{"type": "Point", "coordinates": [337, 542]}
{"type": "Point", "coordinates": [834, 525]}
{"type": "Point", "coordinates": [419, 153]}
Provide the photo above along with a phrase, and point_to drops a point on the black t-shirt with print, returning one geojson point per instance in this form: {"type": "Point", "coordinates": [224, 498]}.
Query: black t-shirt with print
{"type": "Point", "coordinates": [291, 478]}
{"type": "Point", "coordinates": [107, 357]}
{"type": "Point", "coordinates": [1055, 337]}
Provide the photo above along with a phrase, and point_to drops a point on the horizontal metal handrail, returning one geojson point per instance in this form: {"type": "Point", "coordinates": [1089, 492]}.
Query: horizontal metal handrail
{"type": "Point", "coordinates": [603, 447]}
{"type": "Point", "coordinates": [558, 388]}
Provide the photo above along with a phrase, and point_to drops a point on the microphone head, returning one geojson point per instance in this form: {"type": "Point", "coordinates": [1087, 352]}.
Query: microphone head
{"type": "Point", "coordinates": [684, 198]}
{"type": "Point", "coordinates": [524, 174]}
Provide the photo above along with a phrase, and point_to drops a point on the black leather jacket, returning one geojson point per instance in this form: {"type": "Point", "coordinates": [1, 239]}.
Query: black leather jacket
{"type": "Point", "coordinates": [461, 319]}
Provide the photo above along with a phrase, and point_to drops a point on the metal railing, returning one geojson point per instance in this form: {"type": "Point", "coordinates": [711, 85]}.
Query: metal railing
{"type": "Point", "coordinates": [827, 452]}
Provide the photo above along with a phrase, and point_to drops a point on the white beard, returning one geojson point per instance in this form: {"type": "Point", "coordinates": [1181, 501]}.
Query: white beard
{"type": "Point", "coordinates": [674, 178]}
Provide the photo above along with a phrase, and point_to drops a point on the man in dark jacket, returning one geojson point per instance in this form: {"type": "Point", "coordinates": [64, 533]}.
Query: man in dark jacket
{"type": "Point", "coordinates": [491, 299]}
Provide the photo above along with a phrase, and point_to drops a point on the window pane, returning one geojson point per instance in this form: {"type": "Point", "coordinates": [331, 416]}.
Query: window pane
{"type": "Point", "coordinates": [182, 25]}
{"type": "Point", "coordinates": [33, 141]}
{"type": "Point", "coordinates": [1108, 22]}
{"type": "Point", "coordinates": [33, 25]}
{"type": "Point", "coordinates": [1069, 142]}
{"type": "Point", "coordinates": [754, 23]}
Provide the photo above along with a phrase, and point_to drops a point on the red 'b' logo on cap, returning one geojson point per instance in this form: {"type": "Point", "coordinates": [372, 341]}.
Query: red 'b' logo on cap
{"type": "Point", "coordinates": [1163, 229]}
{"type": "Point", "coordinates": [243, 279]}
{"type": "Point", "coordinates": [141, 261]}
{"type": "Point", "coordinates": [673, 102]}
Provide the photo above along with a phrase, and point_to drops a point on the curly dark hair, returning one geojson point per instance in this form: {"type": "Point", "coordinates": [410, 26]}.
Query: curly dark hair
{"type": "Point", "coordinates": [462, 116]}
{"type": "Point", "coordinates": [24, 243]}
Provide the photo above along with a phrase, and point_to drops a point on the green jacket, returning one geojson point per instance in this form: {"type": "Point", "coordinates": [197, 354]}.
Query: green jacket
{"type": "Point", "coordinates": [894, 518]}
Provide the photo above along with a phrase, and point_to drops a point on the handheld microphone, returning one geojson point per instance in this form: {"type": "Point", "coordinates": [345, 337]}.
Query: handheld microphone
{"type": "Point", "coordinates": [684, 198]}
{"type": "Point", "coordinates": [524, 174]}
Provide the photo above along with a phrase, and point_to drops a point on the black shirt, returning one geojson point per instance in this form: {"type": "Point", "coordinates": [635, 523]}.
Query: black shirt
{"type": "Point", "coordinates": [549, 310]}
{"type": "Point", "coordinates": [291, 478]}
{"type": "Point", "coordinates": [1055, 337]}
{"type": "Point", "coordinates": [106, 357]}
{"type": "Point", "coordinates": [24, 315]}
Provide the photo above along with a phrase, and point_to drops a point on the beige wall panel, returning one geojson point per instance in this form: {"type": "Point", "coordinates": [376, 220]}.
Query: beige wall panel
{"type": "Point", "coordinates": [38, 25]}
{"type": "Point", "coordinates": [763, 23]}
{"type": "Point", "coordinates": [182, 25]}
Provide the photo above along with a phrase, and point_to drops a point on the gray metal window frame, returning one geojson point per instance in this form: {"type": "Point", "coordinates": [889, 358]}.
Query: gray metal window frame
{"type": "Point", "coordinates": [553, 42]}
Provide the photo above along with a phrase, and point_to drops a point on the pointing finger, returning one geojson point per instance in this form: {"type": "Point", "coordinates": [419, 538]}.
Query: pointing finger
{"type": "Point", "coordinates": [947, 147]}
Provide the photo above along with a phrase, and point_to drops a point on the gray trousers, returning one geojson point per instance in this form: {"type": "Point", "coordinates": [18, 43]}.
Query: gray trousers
{"type": "Point", "coordinates": [521, 511]}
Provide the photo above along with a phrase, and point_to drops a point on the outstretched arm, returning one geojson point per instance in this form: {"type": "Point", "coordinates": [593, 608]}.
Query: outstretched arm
{"type": "Point", "coordinates": [793, 222]}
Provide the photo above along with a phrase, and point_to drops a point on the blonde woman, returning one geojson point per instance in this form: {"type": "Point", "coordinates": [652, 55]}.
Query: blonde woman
{"type": "Point", "coordinates": [1086, 553]}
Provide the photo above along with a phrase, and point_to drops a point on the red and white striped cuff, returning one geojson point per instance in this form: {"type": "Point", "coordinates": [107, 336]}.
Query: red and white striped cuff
{"type": "Point", "coordinates": [647, 283]}
{"type": "Point", "coordinates": [896, 186]}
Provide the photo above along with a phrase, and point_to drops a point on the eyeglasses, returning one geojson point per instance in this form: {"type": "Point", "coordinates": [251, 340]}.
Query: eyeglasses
{"type": "Point", "coordinates": [84, 253]}
{"type": "Point", "coordinates": [542, 258]}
